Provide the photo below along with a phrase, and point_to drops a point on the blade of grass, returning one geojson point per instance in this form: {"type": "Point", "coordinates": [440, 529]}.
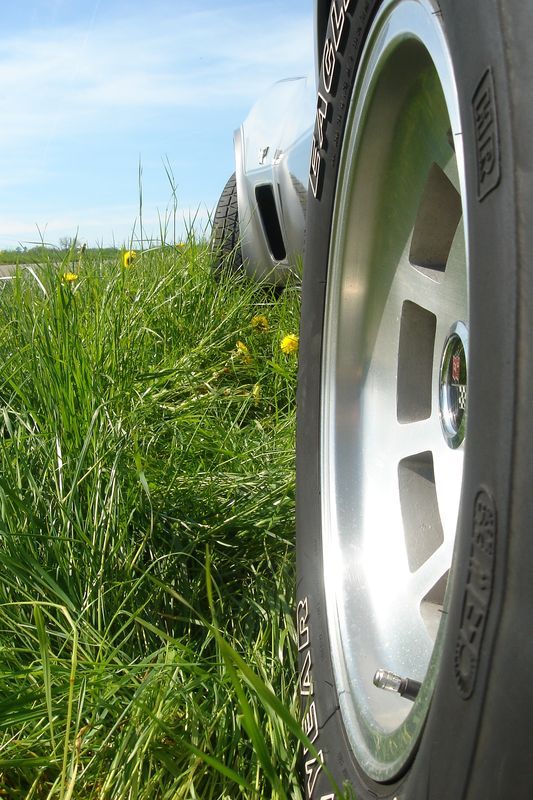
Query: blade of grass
{"type": "Point", "coordinates": [44, 647]}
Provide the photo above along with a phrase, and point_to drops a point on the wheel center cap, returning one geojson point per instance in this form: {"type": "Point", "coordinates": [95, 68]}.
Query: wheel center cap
{"type": "Point", "coordinates": [453, 387]}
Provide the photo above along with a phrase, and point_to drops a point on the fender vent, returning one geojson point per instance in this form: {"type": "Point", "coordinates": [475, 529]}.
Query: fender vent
{"type": "Point", "coordinates": [269, 217]}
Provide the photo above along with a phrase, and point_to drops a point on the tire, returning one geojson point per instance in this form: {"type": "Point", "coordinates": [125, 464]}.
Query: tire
{"type": "Point", "coordinates": [414, 501]}
{"type": "Point", "coordinates": [225, 245]}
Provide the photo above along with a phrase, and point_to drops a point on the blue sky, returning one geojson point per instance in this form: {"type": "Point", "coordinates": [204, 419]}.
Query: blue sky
{"type": "Point", "coordinates": [90, 87]}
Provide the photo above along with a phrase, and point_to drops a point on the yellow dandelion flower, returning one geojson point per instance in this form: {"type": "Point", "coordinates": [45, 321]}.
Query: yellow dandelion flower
{"type": "Point", "coordinates": [289, 344]}
{"type": "Point", "coordinates": [128, 258]}
{"type": "Point", "coordinates": [243, 352]}
{"type": "Point", "coordinates": [260, 323]}
{"type": "Point", "coordinates": [70, 277]}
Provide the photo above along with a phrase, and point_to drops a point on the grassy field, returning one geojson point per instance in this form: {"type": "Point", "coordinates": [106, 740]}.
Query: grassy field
{"type": "Point", "coordinates": [146, 533]}
{"type": "Point", "coordinates": [46, 255]}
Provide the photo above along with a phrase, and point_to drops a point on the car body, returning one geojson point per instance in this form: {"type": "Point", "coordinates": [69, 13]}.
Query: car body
{"type": "Point", "coordinates": [272, 150]}
{"type": "Point", "coordinates": [272, 159]}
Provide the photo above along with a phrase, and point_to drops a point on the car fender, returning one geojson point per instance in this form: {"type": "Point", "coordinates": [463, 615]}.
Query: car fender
{"type": "Point", "coordinates": [272, 153]}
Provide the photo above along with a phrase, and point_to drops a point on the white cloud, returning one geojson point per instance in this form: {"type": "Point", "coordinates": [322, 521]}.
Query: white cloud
{"type": "Point", "coordinates": [60, 80]}
{"type": "Point", "coordinates": [94, 83]}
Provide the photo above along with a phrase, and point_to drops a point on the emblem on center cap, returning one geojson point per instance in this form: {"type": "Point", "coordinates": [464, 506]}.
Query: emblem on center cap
{"type": "Point", "coordinates": [456, 368]}
{"type": "Point", "coordinates": [453, 385]}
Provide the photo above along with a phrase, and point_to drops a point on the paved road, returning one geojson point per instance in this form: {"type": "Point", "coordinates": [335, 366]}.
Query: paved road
{"type": "Point", "coordinates": [7, 269]}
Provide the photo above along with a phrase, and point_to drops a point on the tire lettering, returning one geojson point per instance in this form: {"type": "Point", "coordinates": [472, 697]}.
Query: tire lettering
{"type": "Point", "coordinates": [337, 17]}
{"type": "Point", "coordinates": [321, 121]}
{"type": "Point", "coordinates": [319, 144]}
{"type": "Point", "coordinates": [302, 615]}
{"type": "Point", "coordinates": [487, 139]}
{"type": "Point", "coordinates": [316, 170]}
{"type": "Point", "coordinates": [477, 594]}
{"type": "Point", "coordinates": [306, 677]}
{"type": "Point", "coordinates": [310, 724]}
{"type": "Point", "coordinates": [330, 61]}
{"type": "Point", "coordinates": [312, 769]}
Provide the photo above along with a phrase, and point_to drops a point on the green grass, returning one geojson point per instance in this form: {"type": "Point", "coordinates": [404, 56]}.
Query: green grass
{"type": "Point", "coordinates": [42, 254]}
{"type": "Point", "coordinates": [146, 533]}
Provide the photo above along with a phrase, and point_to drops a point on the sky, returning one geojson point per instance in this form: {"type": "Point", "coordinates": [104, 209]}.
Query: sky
{"type": "Point", "coordinates": [95, 93]}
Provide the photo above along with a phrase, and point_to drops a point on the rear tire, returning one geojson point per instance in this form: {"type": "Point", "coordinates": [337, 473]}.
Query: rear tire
{"type": "Point", "coordinates": [414, 426]}
{"type": "Point", "coordinates": [225, 244]}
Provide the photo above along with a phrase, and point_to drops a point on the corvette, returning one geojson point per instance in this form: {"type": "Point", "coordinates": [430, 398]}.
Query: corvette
{"type": "Point", "coordinates": [269, 186]}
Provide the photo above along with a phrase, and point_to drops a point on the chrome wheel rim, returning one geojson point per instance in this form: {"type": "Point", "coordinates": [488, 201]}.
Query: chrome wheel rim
{"type": "Point", "coordinates": [395, 337]}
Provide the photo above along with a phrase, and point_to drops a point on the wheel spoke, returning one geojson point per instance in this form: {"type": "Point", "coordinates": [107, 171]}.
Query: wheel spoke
{"type": "Point", "coordinates": [448, 467]}
{"type": "Point", "coordinates": [430, 573]}
{"type": "Point", "coordinates": [445, 298]}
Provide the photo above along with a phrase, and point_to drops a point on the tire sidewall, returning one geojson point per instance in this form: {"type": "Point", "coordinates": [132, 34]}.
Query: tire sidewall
{"type": "Point", "coordinates": [479, 35]}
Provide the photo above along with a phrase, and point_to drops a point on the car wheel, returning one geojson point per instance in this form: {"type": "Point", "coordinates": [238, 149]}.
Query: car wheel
{"type": "Point", "coordinates": [414, 507]}
{"type": "Point", "coordinates": [225, 245]}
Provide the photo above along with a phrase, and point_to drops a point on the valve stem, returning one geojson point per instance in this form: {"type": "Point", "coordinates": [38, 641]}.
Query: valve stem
{"type": "Point", "coordinates": [405, 687]}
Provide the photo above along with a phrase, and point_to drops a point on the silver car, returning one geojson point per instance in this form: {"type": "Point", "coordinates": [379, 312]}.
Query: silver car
{"type": "Point", "coordinates": [259, 221]}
